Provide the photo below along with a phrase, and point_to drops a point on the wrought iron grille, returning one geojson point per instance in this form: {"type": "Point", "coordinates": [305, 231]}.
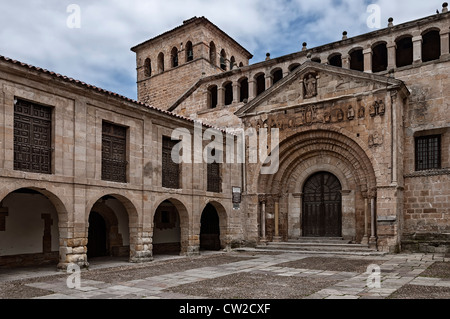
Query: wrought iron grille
{"type": "Point", "coordinates": [32, 137]}
{"type": "Point", "coordinates": [428, 153]}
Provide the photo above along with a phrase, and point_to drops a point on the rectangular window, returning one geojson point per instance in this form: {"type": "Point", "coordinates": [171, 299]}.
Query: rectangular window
{"type": "Point", "coordinates": [114, 153]}
{"type": "Point", "coordinates": [170, 169]}
{"type": "Point", "coordinates": [428, 153]}
{"type": "Point", "coordinates": [32, 137]}
{"type": "Point", "coordinates": [214, 180]}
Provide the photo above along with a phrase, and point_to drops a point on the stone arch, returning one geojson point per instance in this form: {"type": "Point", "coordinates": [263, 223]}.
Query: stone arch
{"type": "Point", "coordinates": [160, 62]}
{"type": "Point", "coordinates": [223, 60]}
{"type": "Point", "coordinates": [212, 53]}
{"type": "Point", "coordinates": [133, 227]}
{"type": "Point", "coordinates": [51, 246]}
{"type": "Point", "coordinates": [189, 52]}
{"type": "Point", "coordinates": [243, 89]}
{"type": "Point", "coordinates": [148, 67]}
{"type": "Point", "coordinates": [232, 62]}
{"type": "Point", "coordinates": [223, 221]}
{"type": "Point", "coordinates": [277, 75]}
{"type": "Point", "coordinates": [321, 150]}
{"type": "Point", "coordinates": [212, 96]}
{"type": "Point", "coordinates": [174, 57]}
{"type": "Point", "coordinates": [356, 59]}
{"type": "Point", "coordinates": [404, 50]}
{"type": "Point", "coordinates": [260, 80]}
{"type": "Point", "coordinates": [228, 90]}
{"type": "Point", "coordinates": [379, 56]}
{"type": "Point", "coordinates": [431, 45]}
{"type": "Point", "coordinates": [183, 216]}
{"type": "Point", "coordinates": [335, 59]}
{"type": "Point", "coordinates": [293, 67]}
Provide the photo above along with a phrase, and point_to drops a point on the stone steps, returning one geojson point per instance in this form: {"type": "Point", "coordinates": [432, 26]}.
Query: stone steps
{"type": "Point", "coordinates": [319, 246]}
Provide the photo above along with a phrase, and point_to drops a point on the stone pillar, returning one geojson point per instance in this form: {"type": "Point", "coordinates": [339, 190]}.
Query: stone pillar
{"type": "Point", "coordinates": [368, 60]}
{"type": "Point", "coordinates": [263, 222]}
{"type": "Point", "coordinates": [220, 97]}
{"type": "Point", "coordinates": [445, 49]}
{"type": "Point", "coordinates": [392, 56]}
{"type": "Point", "coordinates": [373, 219]}
{"type": "Point", "coordinates": [365, 240]}
{"type": "Point", "coordinates": [417, 49]}
{"type": "Point", "coordinates": [346, 61]}
{"type": "Point", "coordinates": [142, 250]}
{"type": "Point", "coordinates": [251, 89]}
{"type": "Point", "coordinates": [269, 81]}
{"type": "Point", "coordinates": [277, 237]}
{"type": "Point", "coordinates": [236, 92]}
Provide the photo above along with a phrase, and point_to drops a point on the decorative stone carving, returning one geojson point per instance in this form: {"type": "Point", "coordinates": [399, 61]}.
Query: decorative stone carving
{"type": "Point", "coordinates": [340, 115]}
{"type": "Point", "coordinates": [310, 86]}
{"type": "Point", "coordinates": [362, 112]}
{"type": "Point", "coordinates": [327, 117]}
{"type": "Point", "coordinates": [375, 139]}
{"type": "Point", "coordinates": [351, 113]}
{"type": "Point", "coordinates": [381, 108]}
{"type": "Point", "coordinates": [373, 109]}
{"type": "Point", "coordinates": [310, 114]}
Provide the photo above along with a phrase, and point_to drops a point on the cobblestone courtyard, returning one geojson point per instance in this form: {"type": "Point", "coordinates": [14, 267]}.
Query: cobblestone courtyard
{"type": "Point", "coordinates": [241, 275]}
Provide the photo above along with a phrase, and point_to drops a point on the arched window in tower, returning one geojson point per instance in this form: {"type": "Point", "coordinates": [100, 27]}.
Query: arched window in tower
{"type": "Point", "coordinates": [161, 63]}
{"type": "Point", "coordinates": [232, 63]}
{"type": "Point", "coordinates": [228, 93]}
{"type": "Point", "coordinates": [189, 52]}
{"type": "Point", "coordinates": [212, 96]}
{"type": "Point", "coordinates": [335, 60]}
{"type": "Point", "coordinates": [379, 57]}
{"type": "Point", "coordinates": [223, 60]}
{"type": "Point", "coordinates": [241, 65]}
{"type": "Point", "coordinates": [260, 83]}
{"type": "Point", "coordinates": [317, 60]}
{"type": "Point", "coordinates": [277, 75]}
{"type": "Point", "coordinates": [212, 53]}
{"type": "Point", "coordinates": [404, 51]}
{"type": "Point", "coordinates": [244, 89]}
{"type": "Point", "coordinates": [431, 45]}
{"type": "Point", "coordinates": [357, 60]}
{"type": "Point", "coordinates": [174, 57]}
{"type": "Point", "coordinates": [148, 67]}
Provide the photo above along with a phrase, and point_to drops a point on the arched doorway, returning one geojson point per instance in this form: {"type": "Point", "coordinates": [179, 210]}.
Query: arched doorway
{"type": "Point", "coordinates": [109, 231]}
{"type": "Point", "coordinates": [210, 229]}
{"type": "Point", "coordinates": [29, 232]}
{"type": "Point", "coordinates": [322, 206]}
{"type": "Point", "coordinates": [97, 236]}
{"type": "Point", "coordinates": [167, 230]}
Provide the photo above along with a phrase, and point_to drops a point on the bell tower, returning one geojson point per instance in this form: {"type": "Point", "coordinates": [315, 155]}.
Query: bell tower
{"type": "Point", "coordinates": [171, 63]}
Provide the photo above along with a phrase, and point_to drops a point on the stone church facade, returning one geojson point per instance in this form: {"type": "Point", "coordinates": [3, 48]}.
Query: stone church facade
{"type": "Point", "coordinates": [363, 127]}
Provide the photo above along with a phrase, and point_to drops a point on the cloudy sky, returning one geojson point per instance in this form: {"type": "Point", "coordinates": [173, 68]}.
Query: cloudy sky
{"type": "Point", "coordinates": [98, 52]}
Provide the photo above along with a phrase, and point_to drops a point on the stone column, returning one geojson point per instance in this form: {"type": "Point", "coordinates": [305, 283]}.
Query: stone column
{"type": "Point", "coordinates": [346, 61]}
{"type": "Point", "coordinates": [417, 49]}
{"type": "Point", "coordinates": [263, 222]}
{"type": "Point", "coordinates": [367, 60]}
{"type": "Point", "coordinates": [445, 49]}
{"type": "Point", "coordinates": [277, 237]}
{"type": "Point", "coordinates": [365, 240]}
{"type": "Point", "coordinates": [220, 97]}
{"type": "Point", "coordinates": [269, 81]}
{"type": "Point", "coordinates": [373, 238]}
{"type": "Point", "coordinates": [236, 92]}
{"type": "Point", "coordinates": [392, 56]}
{"type": "Point", "coordinates": [251, 89]}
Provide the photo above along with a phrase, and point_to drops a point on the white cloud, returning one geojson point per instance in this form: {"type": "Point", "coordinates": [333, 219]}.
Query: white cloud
{"type": "Point", "coordinates": [99, 53]}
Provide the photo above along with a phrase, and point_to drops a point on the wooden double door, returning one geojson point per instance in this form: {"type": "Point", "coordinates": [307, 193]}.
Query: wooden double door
{"type": "Point", "coordinates": [322, 206]}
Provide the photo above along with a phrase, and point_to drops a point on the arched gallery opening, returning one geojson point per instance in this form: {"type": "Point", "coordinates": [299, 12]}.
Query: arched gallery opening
{"type": "Point", "coordinates": [108, 230]}
{"type": "Point", "coordinates": [210, 229]}
{"type": "Point", "coordinates": [29, 234]}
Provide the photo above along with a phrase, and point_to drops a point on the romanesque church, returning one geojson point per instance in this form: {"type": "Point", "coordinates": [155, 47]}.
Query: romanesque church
{"type": "Point", "coordinates": [363, 158]}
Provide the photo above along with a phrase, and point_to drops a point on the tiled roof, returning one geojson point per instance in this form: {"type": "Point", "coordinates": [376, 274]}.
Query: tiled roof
{"type": "Point", "coordinates": [97, 89]}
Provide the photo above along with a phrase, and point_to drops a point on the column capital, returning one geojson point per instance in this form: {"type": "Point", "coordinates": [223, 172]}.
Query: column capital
{"type": "Point", "coordinates": [445, 32]}
{"type": "Point", "coordinates": [417, 38]}
{"type": "Point", "coordinates": [367, 51]}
